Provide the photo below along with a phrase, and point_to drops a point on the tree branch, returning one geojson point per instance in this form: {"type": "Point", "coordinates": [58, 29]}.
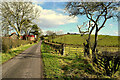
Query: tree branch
{"type": "Point", "coordinates": [106, 12]}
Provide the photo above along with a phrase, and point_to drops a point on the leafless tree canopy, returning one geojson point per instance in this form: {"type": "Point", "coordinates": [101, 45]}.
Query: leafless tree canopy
{"type": "Point", "coordinates": [94, 11]}
{"type": "Point", "coordinates": [15, 14]}
{"type": "Point", "coordinates": [97, 13]}
{"type": "Point", "coordinates": [49, 32]}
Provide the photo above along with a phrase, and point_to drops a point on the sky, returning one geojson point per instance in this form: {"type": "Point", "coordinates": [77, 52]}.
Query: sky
{"type": "Point", "coordinates": [53, 17]}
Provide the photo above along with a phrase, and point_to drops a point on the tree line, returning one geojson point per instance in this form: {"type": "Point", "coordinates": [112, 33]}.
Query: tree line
{"type": "Point", "coordinates": [19, 16]}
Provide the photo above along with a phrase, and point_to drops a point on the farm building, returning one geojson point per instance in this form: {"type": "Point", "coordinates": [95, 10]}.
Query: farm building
{"type": "Point", "coordinates": [24, 37]}
{"type": "Point", "coordinates": [29, 37]}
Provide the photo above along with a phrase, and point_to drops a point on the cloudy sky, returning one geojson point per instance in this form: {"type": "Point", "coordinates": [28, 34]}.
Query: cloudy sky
{"type": "Point", "coordinates": [54, 18]}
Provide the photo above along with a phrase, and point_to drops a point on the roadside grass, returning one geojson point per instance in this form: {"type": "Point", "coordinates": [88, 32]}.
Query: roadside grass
{"type": "Point", "coordinates": [79, 68]}
{"type": "Point", "coordinates": [65, 66]}
{"type": "Point", "coordinates": [51, 63]}
{"type": "Point", "coordinates": [72, 63]}
{"type": "Point", "coordinates": [51, 66]}
{"type": "Point", "coordinates": [14, 51]}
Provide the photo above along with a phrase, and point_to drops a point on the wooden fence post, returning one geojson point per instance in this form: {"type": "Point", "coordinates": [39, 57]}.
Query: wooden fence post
{"type": "Point", "coordinates": [62, 49]}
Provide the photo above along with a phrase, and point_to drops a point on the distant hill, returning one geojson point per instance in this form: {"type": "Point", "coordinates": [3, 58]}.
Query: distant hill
{"type": "Point", "coordinates": [103, 40]}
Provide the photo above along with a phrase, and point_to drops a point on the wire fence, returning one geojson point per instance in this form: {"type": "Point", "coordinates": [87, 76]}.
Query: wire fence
{"type": "Point", "coordinates": [66, 49]}
{"type": "Point", "coordinates": [77, 49]}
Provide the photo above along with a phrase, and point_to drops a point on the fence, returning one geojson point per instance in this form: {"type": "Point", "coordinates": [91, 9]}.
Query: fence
{"type": "Point", "coordinates": [56, 47]}
{"type": "Point", "coordinates": [65, 49]}
{"type": "Point", "coordinates": [68, 49]}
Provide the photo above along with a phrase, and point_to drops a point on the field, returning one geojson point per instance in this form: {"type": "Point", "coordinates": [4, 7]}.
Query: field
{"type": "Point", "coordinates": [74, 43]}
{"type": "Point", "coordinates": [56, 66]}
{"type": "Point", "coordinates": [64, 67]}
{"type": "Point", "coordinates": [72, 63]}
{"type": "Point", "coordinates": [103, 40]}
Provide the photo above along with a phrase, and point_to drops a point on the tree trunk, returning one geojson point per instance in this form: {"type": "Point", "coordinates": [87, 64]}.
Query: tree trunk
{"type": "Point", "coordinates": [88, 41]}
{"type": "Point", "coordinates": [18, 35]}
{"type": "Point", "coordinates": [87, 47]}
{"type": "Point", "coordinates": [94, 47]}
{"type": "Point", "coordinates": [26, 35]}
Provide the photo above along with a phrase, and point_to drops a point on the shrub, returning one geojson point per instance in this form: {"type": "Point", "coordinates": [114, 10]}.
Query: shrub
{"type": "Point", "coordinates": [8, 43]}
{"type": "Point", "coordinates": [107, 63]}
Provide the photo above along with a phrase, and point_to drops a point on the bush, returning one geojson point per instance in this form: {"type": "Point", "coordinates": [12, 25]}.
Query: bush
{"type": "Point", "coordinates": [8, 43]}
{"type": "Point", "coordinates": [107, 63]}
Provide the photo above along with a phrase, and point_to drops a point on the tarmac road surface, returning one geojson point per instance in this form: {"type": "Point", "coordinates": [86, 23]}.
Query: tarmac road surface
{"type": "Point", "coordinates": [28, 64]}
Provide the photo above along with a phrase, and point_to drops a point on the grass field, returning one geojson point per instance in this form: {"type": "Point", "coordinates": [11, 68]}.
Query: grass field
{"type": "Point", "coordinates": [14, 51]}
{"type": "Point", "coordinates": [103, 40]}
{"type": "Point", "coordinates": [76, 65]}
{"type": "Point", "coordinates": [67, 66]}
{"type": "Point", "coordinates": [78, 49]}
{"type": "Point", "coordinates": [73, 50]}
{"type": "Point", "coordinates": [75, 43]}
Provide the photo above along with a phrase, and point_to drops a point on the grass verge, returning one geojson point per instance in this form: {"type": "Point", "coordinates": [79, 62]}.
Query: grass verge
{"type": "Point", "coordinates": [14, 51]}
{"type": "Point", "coordinates": [68, 67]}
{"type": "Point", "coordinates": [64, 67]}
{"type": "Point", "coordinates": [52, 67]}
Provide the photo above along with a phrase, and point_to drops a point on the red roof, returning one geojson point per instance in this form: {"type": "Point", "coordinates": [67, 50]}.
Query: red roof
{"type": "Point", "coordinates": [21, 36]}
{"type": "Point", "coordinates": [31, 36]}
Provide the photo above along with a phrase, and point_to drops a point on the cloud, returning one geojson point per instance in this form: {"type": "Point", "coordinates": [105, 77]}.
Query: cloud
{"type": "Point", "coordinates": [116, 33]}
{"type": "Point", "coordinates": [38, 2]}
{"type": "Point", "coordinates": [50, 18]}
{"type": "Point", "coordinates": [111, 24]}
{"type": "Point", "coordinates": [61, 10]}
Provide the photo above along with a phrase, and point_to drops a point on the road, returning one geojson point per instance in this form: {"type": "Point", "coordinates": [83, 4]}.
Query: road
{"type": "Point", "coordinates": [28, 64]}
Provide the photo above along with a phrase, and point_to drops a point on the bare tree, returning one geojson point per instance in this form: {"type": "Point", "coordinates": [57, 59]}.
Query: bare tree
{"type": "Point", "coordinates": [27, 26]}
{"type": "Point", "coordinates": [59, 32]}
{"type": "Point", "coordinates": [97, 13]}
{"type": "Point", "coordinates": [15, 14]}
{"type": "Point", "coordinates": [49, 33]}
